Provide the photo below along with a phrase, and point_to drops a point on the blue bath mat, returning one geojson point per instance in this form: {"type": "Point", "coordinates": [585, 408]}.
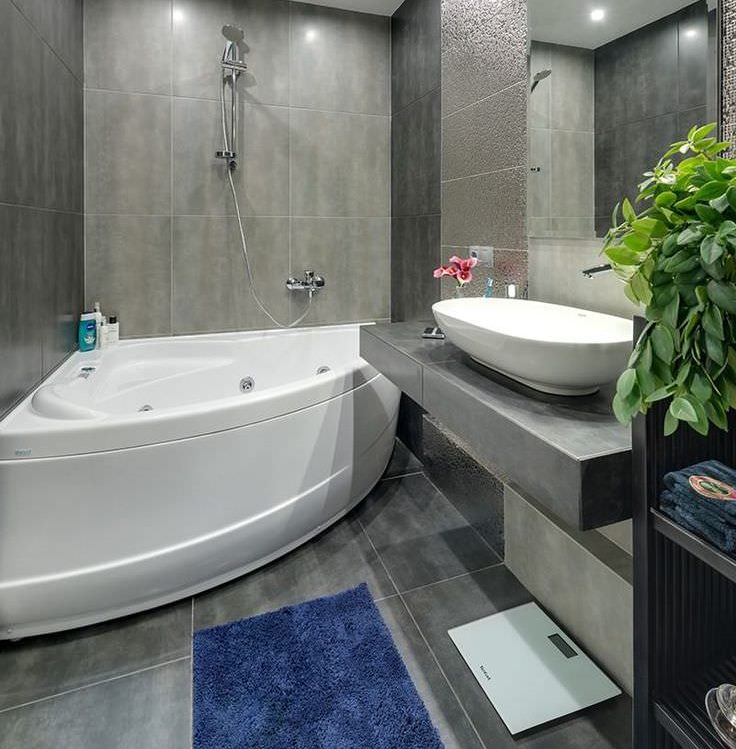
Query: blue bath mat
{"type": "Point", "coordinates": [320, 675]}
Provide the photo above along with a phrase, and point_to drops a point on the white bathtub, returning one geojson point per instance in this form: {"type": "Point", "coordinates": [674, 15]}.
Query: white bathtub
{"type": "Point", "coordinates": [107, 509]}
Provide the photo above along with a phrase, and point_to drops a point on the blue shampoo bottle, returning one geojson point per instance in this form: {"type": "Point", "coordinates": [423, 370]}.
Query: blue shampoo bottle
{"type": "Point", "coordinates": [88, 332]}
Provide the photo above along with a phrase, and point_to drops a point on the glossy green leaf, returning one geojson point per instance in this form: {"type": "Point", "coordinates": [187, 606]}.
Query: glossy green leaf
{"type": "Point", "coordinates": [710, 250]}
{"type": "Point", "coordinates": [682, 409]}
{"type": "Point", "coordinates": [723, 294]}
{"type": "Point", "coordinates": [663, 343]}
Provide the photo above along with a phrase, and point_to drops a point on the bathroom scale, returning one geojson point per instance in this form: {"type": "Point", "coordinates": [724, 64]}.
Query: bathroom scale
{"type": "Point", "coordinates": [530, 670]}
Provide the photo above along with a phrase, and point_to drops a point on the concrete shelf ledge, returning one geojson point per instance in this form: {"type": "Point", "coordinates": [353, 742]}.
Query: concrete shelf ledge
{"type": "Point", "coordinates": [570, 454]}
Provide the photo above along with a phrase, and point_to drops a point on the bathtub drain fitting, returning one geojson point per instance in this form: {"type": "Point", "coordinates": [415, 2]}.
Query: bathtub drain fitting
{"type": "Point", "coordinates": [247, 384]}
{"type": "Point", "coordinates": [147, 407]}
{"type": "Point", "coordinates": [322, 370]}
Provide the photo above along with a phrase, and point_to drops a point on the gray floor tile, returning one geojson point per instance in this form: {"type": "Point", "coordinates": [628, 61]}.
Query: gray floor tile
{"type": "Point", "coordinates": [419, 535]}
{"type": "Point", "coordinates": [444, 709]}
{"type": "Point", "coordinates": [149, 710]}
{"type": "Point", "coordinates": [43, 666]}
{"type": "Point", "coordinates": [403, 462]}
{"type": "Point", "coordinates": [338, 559]}
{"type": "Point", "coordinates": [440, 607]}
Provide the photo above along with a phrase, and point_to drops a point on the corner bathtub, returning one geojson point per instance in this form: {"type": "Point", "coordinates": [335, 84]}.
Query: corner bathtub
{"type": "Point", "coordinates": [159, 468]}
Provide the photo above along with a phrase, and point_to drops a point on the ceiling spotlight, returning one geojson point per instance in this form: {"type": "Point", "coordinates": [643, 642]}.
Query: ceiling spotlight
{"type": "Point", "coordinates": [598, 14]}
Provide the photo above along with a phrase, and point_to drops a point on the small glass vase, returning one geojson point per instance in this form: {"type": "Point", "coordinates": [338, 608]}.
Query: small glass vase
{"type": "Point", "coordinates": [459, 291]}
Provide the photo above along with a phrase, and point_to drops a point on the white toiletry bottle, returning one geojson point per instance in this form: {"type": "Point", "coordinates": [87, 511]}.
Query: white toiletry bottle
{"type": "Point", "coordinates": [98, 320]}
{"type": "Point", "coordinates": [104, 333]}
{"type": "Point", "coordinates": [113, 330]}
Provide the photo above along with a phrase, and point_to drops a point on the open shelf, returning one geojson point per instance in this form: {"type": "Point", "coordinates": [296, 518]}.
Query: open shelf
{"type": "Point", "coordinates": [681, 712]}
{"type": "Point", "coordinates": [717, 560]}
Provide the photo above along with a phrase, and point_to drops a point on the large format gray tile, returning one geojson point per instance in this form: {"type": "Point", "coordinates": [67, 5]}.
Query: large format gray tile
{"type": "Point", "coordinates": [440, 607]}
{"type": "Point", "coordinates": [416, 158]}
{"type": "Point", "coordinates": [445, 711]}
{"type": "Point", "coordinates": [199, 43]}
{"type": "Point", "coordinates": [353, 256]}
{"type": "Point", "coordinates": [200, 180]}
{"type": "Point", "coordinates": [59, 24]}
{"type": "Point", "coordinates": [211, 290]}
{"type": "Point", "coordinates": [581, 577]}
{"type": "Point", "coordinates": [485, 210]}
{"type": "Point", "coordinates": [692, 58]}
{"type": "Point", "coordinates": [148, 709]}
{"type": "Point", "coordinates": [486, 136]}
{"type": "Point", "coordinates": [339, 164]}
{"type": "Point", "coordinates": [63, 269]}
{"type": "Point", "coordinates": [44, 666]}
{"type": "Point", "coordinates": [338, 559]}
{"type": "Point", "coordinates": [128, 271]}
{"type": "Point", "coordinates": [40, 120]}
{"type": "Point", "coordinates": [339, 60]}
{"type": "Point", "coordinates": [484, 49]}
{"type": "Point", "coordinates": [571, 87]}
{"type": "Point", "coordinates": [128, 153]}
{"type": "Point", "coordinates": [415, 51]}
{"type": "Point", "coordinates": [419, 535]}
{"type": "Point", "coordinates": [415, 253]}
{"type": "Point", "coordinates": [128, 45]}
{"type": "Point", "coordinates": [21, 288]}
{"type": "Point", "coordinates": [572, 176]}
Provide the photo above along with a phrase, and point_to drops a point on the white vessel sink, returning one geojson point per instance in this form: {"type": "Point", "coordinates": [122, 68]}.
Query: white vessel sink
{"type": "Point", "coordinates": [555, 349]}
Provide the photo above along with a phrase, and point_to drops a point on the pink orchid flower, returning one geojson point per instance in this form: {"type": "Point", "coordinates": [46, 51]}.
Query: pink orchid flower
{"type": "Point", "coordinates": [459, 268]}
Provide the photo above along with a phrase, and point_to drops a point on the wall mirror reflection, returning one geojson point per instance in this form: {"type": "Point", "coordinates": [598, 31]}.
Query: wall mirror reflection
{"type": "Point", "coordinates": [612, 84]}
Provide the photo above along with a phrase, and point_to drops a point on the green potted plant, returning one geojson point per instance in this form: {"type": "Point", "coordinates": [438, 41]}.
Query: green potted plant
{"type": "Point", "coordinates": [677, 258]}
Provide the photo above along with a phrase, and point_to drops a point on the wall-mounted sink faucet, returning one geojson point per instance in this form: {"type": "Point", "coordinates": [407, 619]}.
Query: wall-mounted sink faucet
{"type": "Point", "coordinates": [312, 283]}
{"type": "Point", "coordinates": [596, 270]}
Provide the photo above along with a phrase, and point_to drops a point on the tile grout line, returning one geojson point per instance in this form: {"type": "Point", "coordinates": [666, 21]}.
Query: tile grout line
{"type": "Point", "coordinates": [82, 688]}
{"type": "Point", "coordinates": [442, 671]}
{"type": "Point", "coordinates": [421, 634]}
{"type": "Point", "coordinates": [451, 579]}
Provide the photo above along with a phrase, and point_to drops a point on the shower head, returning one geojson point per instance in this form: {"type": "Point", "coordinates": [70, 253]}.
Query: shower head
{"type": "Point", "coordinates": [540, 76]}
{"type": "Point", "coordinates": [233, 33]}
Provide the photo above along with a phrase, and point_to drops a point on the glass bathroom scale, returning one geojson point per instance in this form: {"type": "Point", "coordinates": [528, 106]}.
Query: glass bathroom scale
{"type": "Point", "coordinates": [530, 670]}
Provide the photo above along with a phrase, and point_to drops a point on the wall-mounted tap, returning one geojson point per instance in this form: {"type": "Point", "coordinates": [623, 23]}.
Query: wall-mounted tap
{"type": "Point", "coordinates": [312, 283]}
{"type": "Point", "coordinates": [597, 270]}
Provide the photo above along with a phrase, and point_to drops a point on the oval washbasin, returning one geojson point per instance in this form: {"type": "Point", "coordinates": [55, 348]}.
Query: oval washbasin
{"type": "Point", "coordinates": [555, 349]}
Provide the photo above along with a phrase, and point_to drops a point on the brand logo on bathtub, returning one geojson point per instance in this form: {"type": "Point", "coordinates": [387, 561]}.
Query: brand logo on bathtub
{"type": "Point", "coordinates": [23, 452]}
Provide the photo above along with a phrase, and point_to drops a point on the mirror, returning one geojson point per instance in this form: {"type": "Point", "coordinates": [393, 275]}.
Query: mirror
{"type": "Point", "coordinates": [612, 83]}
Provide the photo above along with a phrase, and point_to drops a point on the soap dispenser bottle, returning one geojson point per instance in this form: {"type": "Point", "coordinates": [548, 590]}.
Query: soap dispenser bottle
{"type": "Point", "coordinates": [87, 335]}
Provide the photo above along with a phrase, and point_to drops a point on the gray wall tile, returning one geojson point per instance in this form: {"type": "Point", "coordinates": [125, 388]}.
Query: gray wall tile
{"type": "Point", "coordinates": [198, 46]}
{"type": "Point", "coordinates": [21, 288]}
{"type": "Point", "coordinates": [63, 269]}
{"type": "Point", "coordinates": [571, 89]}
{"type": "Point", "coordinates": [415, 51]}
{"type": "Point", "coordinates": [128, 153]}
{"type": "Point", "coordinates": [59, 24]}
{"type": "Point", "coordinates": [262, 177]}
{"type": "Point", "coordinates": [339, 164]}
{"type": "Point", "coordinates": [572, 174]}
{"type": "Point", "coordinates": [486, 136]}
{"type": "Point", "coordinates": [41, 251]}
{"type": "Point", "coordinates": [415, 253]}
{"type": "Point", "coordinates": [129, 271]}
{"type": "Point", "coordinates": [211, 291]}
{"type": "Point", "coordinates": [483, 49]}
{"type": "Point", "coordinates": [128, 45]}
{"type": "Point", "coordinates": [359, 82]}
{"type": "Point", "coordinates": [416, 157]}
{"type": "Point", "coordinates": [353, 256]}
{"type": "Point", "coordinates": [485, 210]}
{"type": "Point", "coordinates": [584, 593]}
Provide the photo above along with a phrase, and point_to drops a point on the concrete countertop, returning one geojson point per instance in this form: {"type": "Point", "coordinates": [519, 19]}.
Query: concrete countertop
{"type": "Point", "coordinates": [569, 453]}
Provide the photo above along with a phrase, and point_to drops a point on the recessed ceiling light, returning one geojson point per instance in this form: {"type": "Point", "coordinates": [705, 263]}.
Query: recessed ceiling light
{"type": "Point", "coordinates": [598, 14]}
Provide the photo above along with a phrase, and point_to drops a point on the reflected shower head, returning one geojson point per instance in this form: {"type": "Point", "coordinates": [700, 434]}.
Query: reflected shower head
{"type": "Point", "coordinates": [540, 76]}
{"type": "Point", "coordinates": [233, 33]}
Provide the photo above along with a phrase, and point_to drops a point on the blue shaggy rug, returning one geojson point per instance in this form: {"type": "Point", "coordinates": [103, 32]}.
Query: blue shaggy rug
{"type": "Point", "coordinates": [320, 675]}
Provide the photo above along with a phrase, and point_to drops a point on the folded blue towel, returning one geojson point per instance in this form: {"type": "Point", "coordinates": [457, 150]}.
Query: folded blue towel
{"type": "Point", "coordinates": [711, 518]}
